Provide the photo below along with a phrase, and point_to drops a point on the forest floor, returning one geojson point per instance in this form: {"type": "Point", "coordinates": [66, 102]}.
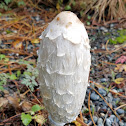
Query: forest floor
{"type": "Point", "coordinates": [20, 100]}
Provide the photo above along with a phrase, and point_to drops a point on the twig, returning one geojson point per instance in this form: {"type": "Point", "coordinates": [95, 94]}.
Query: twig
{"type": "Point", "coordinates": [119, 107]}
{"type": "Point", "coordinates": [82, 123]}
{"type": "Point", "coordinates": [105, 118]}
{"type": "Point", "coordinates": [107, 45]}
{"type": "Point", "coordinates": [14, 68]}
{"type": "Point", "coordinates": [81, 116]}
{"type": "Point", "coordinates": [90, 110]}
{"type": "Point", "coordinates": [10, 119]}
{"type": "Point", "coordinates": [36, 98]}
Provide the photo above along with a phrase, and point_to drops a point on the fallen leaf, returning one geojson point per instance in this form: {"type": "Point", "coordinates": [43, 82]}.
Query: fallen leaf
{"type": "Point", "coordinates": [35, 41]}
{"type": "Point", "coordinates": [76, 123]}
{"type": "Point", "coordinates": [119, 85]}
{"type": "Point", "coordinates": [17, 44]}
{"type": "Point", "coordinates": [118, 80]}
{"type": "Point", "coordinates": [3, 102]}
{"type": "Point", "coordinates": [121, 59]}
{"type": "Point", "coordinates": [40, 119]}
{"type": "Point", "coordinates": [120, 67]}
{"type": "Point", "coordinates": [26, 106]}
{"type": "Point", "coordinates": [13, 101]}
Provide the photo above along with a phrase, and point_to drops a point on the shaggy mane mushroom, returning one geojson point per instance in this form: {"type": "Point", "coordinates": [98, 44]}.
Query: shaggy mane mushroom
{"type": "Point", "coordinates": [64, 63]}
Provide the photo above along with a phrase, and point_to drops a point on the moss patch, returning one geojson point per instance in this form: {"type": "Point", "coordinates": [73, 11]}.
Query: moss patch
{"type": "Point", "coordinates": [120, 39]}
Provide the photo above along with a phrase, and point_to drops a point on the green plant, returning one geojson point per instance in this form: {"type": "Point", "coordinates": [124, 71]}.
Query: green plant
{"type": "Point", "coordinates": [29, 77]}
{"type": "Point", "coordinates": [93, 110]}
{"type": "Point", "coordinates": [107, 89]}
{"type": "Point", "coordinates": [120, 39]}
{"type": "Point", "coordinates": [3, 80]}
{"type": "Point", "coordinates": [4, 58]}
{"type": "Point", "coordinates": [5, 4]}
{"type": "Point", "coordinates": [86, 110]}
{"type": "Point", "coordinates": [117, 101]}
{"type": "Point", "coordinates": [12, 77]}
{"type": "Point", "coordinates": [27, 118]}
{"type": "Point", "coordinates": [113, 75]}
{"type": "Point", "coordinates": [4, 77]}
{"type": "Point", "coordinates": [29, 81]}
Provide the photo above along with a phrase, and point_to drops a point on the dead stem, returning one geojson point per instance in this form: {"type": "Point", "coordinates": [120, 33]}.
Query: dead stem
{"type": "Point", "coordinates": [90, 109]}
{"type": "Point", "coordinates": [82, 123]}
{"type": "Point", "coordinates": [120, 107]}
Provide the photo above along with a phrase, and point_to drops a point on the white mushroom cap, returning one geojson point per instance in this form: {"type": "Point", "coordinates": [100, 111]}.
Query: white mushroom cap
{"type": "Point", "coordinates": [67, 24]}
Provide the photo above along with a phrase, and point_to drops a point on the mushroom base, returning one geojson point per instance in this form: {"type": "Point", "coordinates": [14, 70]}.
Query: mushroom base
{"type": "Point", "coordinates": [53, 123]}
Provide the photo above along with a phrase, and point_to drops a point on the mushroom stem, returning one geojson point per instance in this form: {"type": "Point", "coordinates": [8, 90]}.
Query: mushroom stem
{"type": "Point", "coordinates": [53, 123]}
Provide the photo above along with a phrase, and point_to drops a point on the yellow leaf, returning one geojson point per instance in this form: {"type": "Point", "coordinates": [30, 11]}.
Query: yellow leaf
{"type": "Point", "coordinates": [58, 7]}
{"type": "Point", "coordinates": [76, 123]}
{"type": "Point", "coordinates": [35, 41]}
{"type": "Point", "coordinates": [118, 80]}
{"type": "Point", "coordinates": [40, 119]}
{"type": "Point", "coordinates": [120, 67]}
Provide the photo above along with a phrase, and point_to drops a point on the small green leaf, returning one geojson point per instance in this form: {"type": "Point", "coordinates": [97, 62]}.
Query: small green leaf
{"type": "Point", "coordinates": [86, 110]}
{"type": "Point", "coordinates": [27, 73]}
{"type": "Point", "coordinates": [13, 77]}
{"type": "Point", "coordinates": [67, 7]}
{"type": "Point", "coordinates": [21, 3]}
{"type": "Point", "coordinates": [2, 56]}
{"type": "Point", "coordinates": [7, 1]}
{"type": "Point", "coordinates": [2, 5]}
{"type": "Point", "coordinates": [36, 108]}
{"type": "Point", "coordinates": [8, 31]}
{"type": "Point", "coordinates": [89, 17]}
{"type": "Point", "coordinates": [81, 13]}
{"type": "Point", "coordinates": [26, 118]}
{"type": "Point", "coordinates": [5, 8]}
{"type": "Point", "coordinates": [73, 3]}
{"type": "Point", "coordinates": [6, 59]}
{"type": "Point", "coordinates": [88, 23]}
{"type": "Point", "coordinates": [113, 75]}
{"type": "Point", "coordinates": [1, 88]}
{"type": "Point", "coordinates": [18, 73]}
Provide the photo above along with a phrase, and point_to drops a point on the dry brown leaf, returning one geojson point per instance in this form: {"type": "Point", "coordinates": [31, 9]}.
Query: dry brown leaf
{"type": "Point", "coordinates": [3, 102]}
{"type": "Point", "coordinates": [26, 106]}
{"type": "Point", "coordinates": [40, 119]}
{"type": "Point", "coordinates": [17, 44]}
{"type": "Point", "coordinates": [6, 92]}
{"type": "Point", "coordinates": [13, 101]}
{"type": "Point", "coordinates": [120, 67]}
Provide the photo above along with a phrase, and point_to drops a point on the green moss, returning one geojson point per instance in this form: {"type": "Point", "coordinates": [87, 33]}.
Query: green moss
{"type": "Point", "coordinates": [120, 39]}
{"type": "Point", "coordinates": [122, 32]}
{"type": "Point", "coordinates": [107, 33]}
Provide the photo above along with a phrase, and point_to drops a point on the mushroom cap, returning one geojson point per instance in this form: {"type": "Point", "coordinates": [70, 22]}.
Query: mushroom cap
{"type": "Point", "coordinates": [64, 63]}
{"type": "Point", "coordinates": [67, 24]}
